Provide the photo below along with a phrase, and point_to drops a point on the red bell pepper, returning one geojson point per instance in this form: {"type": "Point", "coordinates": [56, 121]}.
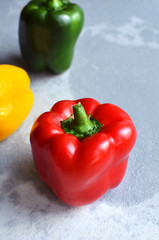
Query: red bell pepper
{"type": "Point", "coordinates": [81, 148]}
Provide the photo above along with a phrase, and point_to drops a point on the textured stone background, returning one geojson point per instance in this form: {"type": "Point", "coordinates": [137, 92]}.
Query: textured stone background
{"type": "Point", "coordinates": [116, 60]}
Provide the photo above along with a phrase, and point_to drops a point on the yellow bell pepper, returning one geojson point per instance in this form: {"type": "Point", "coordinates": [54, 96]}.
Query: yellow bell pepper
{"type": "Point", "coordinates": [16, 98]}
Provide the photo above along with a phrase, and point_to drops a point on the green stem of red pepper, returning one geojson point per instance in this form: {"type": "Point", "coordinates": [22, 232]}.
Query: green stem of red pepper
{"type": "Point", "coordinates": [80, 124]}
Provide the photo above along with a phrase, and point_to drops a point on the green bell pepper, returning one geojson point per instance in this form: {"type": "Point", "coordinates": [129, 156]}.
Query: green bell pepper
{"type": "Point", "coordinates": [48, 31]}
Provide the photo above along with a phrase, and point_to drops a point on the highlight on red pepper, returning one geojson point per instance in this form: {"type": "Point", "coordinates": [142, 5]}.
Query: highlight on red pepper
{"type": "Point", "coordinates": [81, 148]}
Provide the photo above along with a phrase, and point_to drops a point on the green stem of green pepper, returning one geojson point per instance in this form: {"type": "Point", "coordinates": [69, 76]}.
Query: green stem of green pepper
{"type": "Point", "coordinates": [55, 4]}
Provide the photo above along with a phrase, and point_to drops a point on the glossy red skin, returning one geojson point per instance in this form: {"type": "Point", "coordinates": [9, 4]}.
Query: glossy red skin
{"type": "Point", "coordinates": [81, 171]}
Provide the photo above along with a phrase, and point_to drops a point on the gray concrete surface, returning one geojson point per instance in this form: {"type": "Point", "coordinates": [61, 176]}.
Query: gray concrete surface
{"type": "Point", "coordinates": [116, 60]}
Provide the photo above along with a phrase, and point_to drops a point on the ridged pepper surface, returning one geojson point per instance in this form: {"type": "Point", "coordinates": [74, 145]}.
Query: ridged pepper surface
{"type": "Point", "coordinates": [81, 148]}
{"type": "Point", "coordinates": [48, 31]}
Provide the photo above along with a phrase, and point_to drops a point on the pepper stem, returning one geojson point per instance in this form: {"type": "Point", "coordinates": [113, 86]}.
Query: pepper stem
{"type": "Point", "coordinates": [55, 4]}
{"type": "Point", "coordinates": [80, 124]}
